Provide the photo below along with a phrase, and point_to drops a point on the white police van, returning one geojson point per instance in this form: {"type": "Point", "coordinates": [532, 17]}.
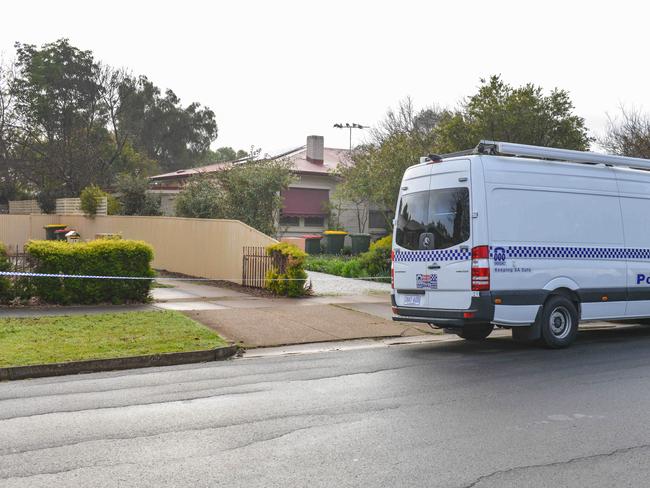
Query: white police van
{"type": "Point", "coordinates": [529, 238]}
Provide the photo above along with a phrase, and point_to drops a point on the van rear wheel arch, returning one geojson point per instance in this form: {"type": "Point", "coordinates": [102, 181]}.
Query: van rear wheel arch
{"type": "Point", "coordinates": [557, 320]}
{"type": "Point", "coordinates": [567, 293]}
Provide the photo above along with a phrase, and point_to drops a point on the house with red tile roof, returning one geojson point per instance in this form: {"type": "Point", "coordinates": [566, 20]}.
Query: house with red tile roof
{"type": "Point", "coordinates": [305, 202]}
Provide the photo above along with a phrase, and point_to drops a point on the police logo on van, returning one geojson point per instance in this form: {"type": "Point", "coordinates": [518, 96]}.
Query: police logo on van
{"type": "Point", "coordinates": [499, 256]}
{"type": "Point", "coordinates": [426, 281]}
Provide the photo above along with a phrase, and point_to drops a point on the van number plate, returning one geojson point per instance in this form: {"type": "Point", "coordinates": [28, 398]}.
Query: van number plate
{"type": "Point", "coordinates": [412, 299]}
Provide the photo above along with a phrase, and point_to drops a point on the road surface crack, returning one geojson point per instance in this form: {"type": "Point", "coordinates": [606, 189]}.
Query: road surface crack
{"type": "Point", "coordinates": [554, 463]}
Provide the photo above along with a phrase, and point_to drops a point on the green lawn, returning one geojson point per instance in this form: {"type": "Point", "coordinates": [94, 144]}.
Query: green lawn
{"type": "Point", "coordinates": [25, 341]}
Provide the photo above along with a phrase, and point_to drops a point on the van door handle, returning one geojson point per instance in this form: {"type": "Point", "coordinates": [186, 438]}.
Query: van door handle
{"type": "Point", "coordinates": [434, 266]}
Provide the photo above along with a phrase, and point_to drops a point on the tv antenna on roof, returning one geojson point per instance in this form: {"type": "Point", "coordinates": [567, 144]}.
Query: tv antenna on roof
{"type": "Point", "coordinates": [350, 126]}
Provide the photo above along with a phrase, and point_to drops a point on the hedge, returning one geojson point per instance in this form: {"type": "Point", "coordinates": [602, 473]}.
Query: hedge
{"type": "Point", "coordinates": [103, 257]}
{"type": "Point", "coordinates": [290, 281]}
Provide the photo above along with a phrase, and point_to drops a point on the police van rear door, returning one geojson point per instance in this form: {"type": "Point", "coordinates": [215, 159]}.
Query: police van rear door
{"type": "Point", "coordinates": [433, 240]}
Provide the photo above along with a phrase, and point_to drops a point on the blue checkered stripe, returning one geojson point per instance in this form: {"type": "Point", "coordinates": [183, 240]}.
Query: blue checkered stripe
{"type": "Point", "coordinates": [433, 255]}
{"type": "Point", "coordinates": [561, 252]}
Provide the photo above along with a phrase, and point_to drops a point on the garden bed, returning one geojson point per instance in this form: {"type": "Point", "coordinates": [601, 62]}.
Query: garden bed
{"type": "Point", "coordinates": [373, 265]}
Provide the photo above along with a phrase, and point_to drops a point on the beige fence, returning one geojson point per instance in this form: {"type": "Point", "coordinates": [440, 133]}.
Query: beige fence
{"type": "Point", "coordinates": [197, 247]}
{"type": "Point", "coordinates": [64, 206]}
{"type": "Point", "coordinates": [24, 207]}
{"type": "Point", "coordinates": [72, 206]}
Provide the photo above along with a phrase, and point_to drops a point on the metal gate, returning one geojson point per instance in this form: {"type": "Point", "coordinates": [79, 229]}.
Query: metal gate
{"type": "Point", "coordinates": [19, 260]}
{"type": "Point", "coordinates": [256, 263]}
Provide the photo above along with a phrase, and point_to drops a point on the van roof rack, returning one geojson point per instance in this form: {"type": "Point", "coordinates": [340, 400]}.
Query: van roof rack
{"type": "Point", "coordinates": [555, 154]}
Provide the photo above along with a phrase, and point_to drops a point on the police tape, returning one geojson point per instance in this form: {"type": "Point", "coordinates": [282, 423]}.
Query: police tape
{"type": "Point", "coordinates": [153, 278]}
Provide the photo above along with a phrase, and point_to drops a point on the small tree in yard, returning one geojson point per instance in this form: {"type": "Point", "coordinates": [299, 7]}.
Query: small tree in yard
{"type": "Point", "coordinates": [354, 188]}
{"type": "Point", "coordinates": [90, 198]}
{"type": "Point", "coordinates": [133, 196]}
{"type": "Point", "coordinates": [249, 192]}
{"type": "Point", "coordinates": [200, 198]}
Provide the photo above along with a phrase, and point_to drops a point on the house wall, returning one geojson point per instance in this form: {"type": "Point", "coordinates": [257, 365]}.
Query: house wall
{"type": "Point", "coordinates": [167, 201]}
{"type": "Point", "coordinates": [348, 217]}
{"type": "Point", "coordinates": [198, 247]}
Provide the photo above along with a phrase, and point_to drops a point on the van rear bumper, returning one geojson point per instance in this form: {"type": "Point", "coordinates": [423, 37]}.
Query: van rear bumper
{"type": "Point", "coordinates": [481, 308]}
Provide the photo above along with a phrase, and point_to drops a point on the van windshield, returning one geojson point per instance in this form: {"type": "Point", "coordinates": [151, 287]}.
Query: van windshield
{"type": "Point", "coordinates": [443, 213]}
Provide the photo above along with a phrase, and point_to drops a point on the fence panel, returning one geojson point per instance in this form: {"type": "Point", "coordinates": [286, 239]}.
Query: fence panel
{"type": "Point", "coordinates": [24, 207]}
{"type": "Point", "coordinates": [72, 206]}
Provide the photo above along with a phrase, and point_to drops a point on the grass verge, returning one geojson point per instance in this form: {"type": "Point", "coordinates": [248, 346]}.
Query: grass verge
{"type": "Point", "coordinates": [43, 340]}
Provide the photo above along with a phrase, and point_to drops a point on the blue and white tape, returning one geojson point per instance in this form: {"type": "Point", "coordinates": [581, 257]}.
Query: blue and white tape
{"type": "Point", "coordinates": [98, 277]}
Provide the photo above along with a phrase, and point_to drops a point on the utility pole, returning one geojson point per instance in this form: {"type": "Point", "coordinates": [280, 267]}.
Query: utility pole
{"type": "Point", "coordinates": [351, 126]}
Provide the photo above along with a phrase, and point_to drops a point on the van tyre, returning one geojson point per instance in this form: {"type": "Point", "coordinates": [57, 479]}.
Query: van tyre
{"type": "Point", "coordinates": [559, 322]}
{"type": "Point", "coordinates": [475, 332]}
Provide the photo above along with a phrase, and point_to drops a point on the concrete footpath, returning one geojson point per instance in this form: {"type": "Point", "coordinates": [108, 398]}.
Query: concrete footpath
{"type": "Point", "coordinates": [260, 321]}
{"type": "Point", "coordinates": [263, 321]}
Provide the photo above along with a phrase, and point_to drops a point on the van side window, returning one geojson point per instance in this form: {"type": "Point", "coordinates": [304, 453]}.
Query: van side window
{"type": "Point", "coordinates": [444, 213]}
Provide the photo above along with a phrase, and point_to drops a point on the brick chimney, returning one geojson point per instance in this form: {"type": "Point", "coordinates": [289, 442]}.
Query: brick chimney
{"type": "Point", "coordinates": [315, 149]}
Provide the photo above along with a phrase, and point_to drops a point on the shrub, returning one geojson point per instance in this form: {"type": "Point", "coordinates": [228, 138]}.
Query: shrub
{"type": "Point", "coordinates": [376, 261]}
{"type": "Point", "coordinates": [104, 257]}
{"type": "Point", "coordinates": [133, 196]}
{"type": "Point", "coordinates": [5, 283]}
{"type": "Point", "coordinates": [326, 264]}
{"type": "Point", "coordinates": [291, 281]}
{"type": "Point", "coordinates": [114, 207]}
{"type": "Point", "coordinates": [200, 198]}
{"type": "Point", "coordinates": [353, 269]}
{"type": "Point", "coordinates": [90, 198]}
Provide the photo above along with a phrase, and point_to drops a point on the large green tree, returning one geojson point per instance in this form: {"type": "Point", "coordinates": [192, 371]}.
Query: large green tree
{"type": "Point", "coordinates": [497, 111]}
{"type": "Point", "coordinates": [161, 128]}
{"type": "Point", "coordinates": [67, 121]}
{"type": "Point", "coordinates": [62, 142]}
{"type": "Point", "coordinates": [9, 185]}
{"type": "Point", "coordinates": [525, 114]}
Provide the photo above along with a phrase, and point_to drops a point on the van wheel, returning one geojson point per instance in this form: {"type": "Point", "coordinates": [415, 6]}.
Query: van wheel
{"type": "Point", "coordinates": [475, 332]}
{"type": "Point", "coordinates": [559, 322]}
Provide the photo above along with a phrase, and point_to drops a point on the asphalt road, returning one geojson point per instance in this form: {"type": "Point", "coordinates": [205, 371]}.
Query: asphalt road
{"type": "Point", "coordinates": [451, 414]}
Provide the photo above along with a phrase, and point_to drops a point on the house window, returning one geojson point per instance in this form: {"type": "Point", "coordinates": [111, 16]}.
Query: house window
{"type": "Point", "coordinates": [305, 202]}
{"type": "Point", "coordinates": [376, 220]}
{"type": "Point", "coordinates": [316, 221]}
{"type": "Point", "coordinates": [290, 220]}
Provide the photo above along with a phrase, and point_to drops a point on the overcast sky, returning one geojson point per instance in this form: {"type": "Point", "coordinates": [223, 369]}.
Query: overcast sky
{"type": "Point", "coordinates": [276, 71]}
